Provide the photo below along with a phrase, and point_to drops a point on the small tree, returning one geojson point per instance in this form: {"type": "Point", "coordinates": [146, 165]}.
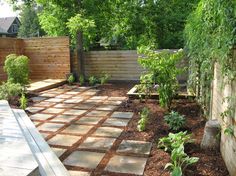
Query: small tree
{"type": "Point", "coordinates": [162, 65]}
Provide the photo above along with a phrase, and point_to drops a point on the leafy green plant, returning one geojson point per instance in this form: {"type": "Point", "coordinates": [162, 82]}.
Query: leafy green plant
{"type": "Point", "coordinates": [145, 86]}
{"type": "Point", "coordinates": [162, 65]}
{"type": "Point", "coordinates": [8, 90]}
{"type": "Point", "coordinates": [175, 120]}
{"type": "Point", "coordinates": [92, 80]}
{"type": "Point", "coordinates": [81, 80]}
{"type": "Point", "coordinates": [179, 161]}
{"type": "Point", "coordinates": [229, 130]}
{"type": "Point", "coordinates": [71, 79]}
{"type": "Point", "coordinates": [23, 101]}
{"type": "Point", "coordinates": [104, 78]}
{"type": "Point", "coordinates": [174, 140]}
{"type": "Point", "coordinates": [17, 69]}
{"type": "Point", "coordinates": [143, 119]}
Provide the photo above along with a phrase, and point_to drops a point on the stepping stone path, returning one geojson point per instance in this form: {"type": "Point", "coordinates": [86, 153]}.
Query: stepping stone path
{"type": "Point", "coordinates": [83, 130]}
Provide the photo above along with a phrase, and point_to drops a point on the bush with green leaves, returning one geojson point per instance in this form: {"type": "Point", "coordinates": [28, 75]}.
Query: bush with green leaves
{"type": "Point", "coordinates": [81, 80]}
{"type": "Point", "coordinates": [23, 101]}
{"type": "Point", "coordinates": [71, 79]}
{"type": "Point", "coordinates": [9, 90]}
{"type": "Point", "coordinates": [92, 80]}
{"type": "Point", "coordinates": [17, 69]}
{"type": "Point", "coordinates": [162, 65]}
{"type": "Point", "coordinates": [174, 140]}
{"type": "Point", "coordinates": [142, 123]}
{"type": "Point", "coordinates": [146, 85]}
{"type": "Point", "coordinates": [104, 78]}
{"type": "Point", "coordinates": [179, 161]}
{"type": "Point", "coordinates": [175, 120]}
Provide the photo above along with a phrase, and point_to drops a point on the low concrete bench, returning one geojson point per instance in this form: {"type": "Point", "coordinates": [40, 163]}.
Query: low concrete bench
{"type": "Point", "coordinates": [23, 150]}
{"type": "Point", "coordinates": [49, 164]}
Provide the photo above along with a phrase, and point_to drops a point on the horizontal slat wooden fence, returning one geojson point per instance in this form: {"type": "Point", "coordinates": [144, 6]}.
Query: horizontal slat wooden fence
{"type": "Point", "coordinates": [49, 57]}
{"type": "Point", "coordinates": [120, 65]}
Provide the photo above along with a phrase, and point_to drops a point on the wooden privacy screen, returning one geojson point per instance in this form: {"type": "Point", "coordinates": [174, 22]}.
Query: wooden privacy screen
{"type": "Point", "coordinates": [49, 57]}
{"type": "Point", "coordinates": [120, 65]}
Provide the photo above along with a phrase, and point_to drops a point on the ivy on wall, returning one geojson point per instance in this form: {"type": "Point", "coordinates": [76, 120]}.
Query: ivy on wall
{"type": "Point", "coordinates": [210, 35]}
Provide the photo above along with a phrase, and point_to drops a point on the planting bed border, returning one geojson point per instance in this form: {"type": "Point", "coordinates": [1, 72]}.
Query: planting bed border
{"type": "Point", "coordinates": [133, 94]}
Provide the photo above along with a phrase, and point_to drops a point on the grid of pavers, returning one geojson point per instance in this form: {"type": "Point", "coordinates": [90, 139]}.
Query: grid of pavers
{"type": "Point", "coordinates": [83, 129]}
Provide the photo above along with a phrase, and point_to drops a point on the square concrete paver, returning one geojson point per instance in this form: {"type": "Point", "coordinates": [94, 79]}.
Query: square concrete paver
{"type": "Point", "coordinates": [84, 159]}
{"type": "Point", "coordinates": [108, 132]}
{"type": "Point", "coordinates": [45, 135]}
{"type": "Point", "coordinates": [112, 102]}
{"type": "Point", "coordinates": [64, 96]}
{"type": "Point", "coordinates": [79, 173]}
{"type": "Point", "coordinates": [64, 105]}
{"type": "Point", "coordinates": [97, 143]}
{"type": "Point", "coordinates": [74, 100]}
{"type": "Point", "coordinates": [58, 151]}
{"type": "Point", "coordinates": [41, 116]}
{"type": "Point", "coordinates": [98, 113]}
{"type": "Point", "coordinates": [77, 129]}
{"type": "Point", "coordinates": [99, 98]}
{"type": "Point", "coordinates": [116, 122]}
{"type": "Point", "coordinates": [84, 106]}
{"type": "Point", "coordinates": [117, 98]}
{"type": "Point", "coordinates": [63, 118]}
{"type": "Point", "coordinates": [50, 127]}
{"type": "Point", "coordinates": [63, 140]}
{"type": "Point", "coordinates": [53, 110]}
{"type": "Point", "coordinates": [106, 107]}
{"type": "Point", "coordinates": [88, 120]}
{"type": "Point", "coordinates": [124, 115]}
{"type": "Point", "coordinates": [34, 109]}
{"type": "Point", "coordinates": [44, 104]}
{"type": "Point", "coordinates": [137, 147]}
{"type": "Point", "coordinates": [37, 99]}
{"type": "Point", "coordinates": [74, 112]}
{"type": "Point", "coordinates": [55, 100]}
{"type": "Point", "coordinates": [126, 164]}
{"type": "Point", "coordinates": [48, 95]}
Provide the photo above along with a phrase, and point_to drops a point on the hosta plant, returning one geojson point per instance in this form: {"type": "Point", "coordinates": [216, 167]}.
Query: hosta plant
{"type": "Point", "coordinates": [179, 161]}
{"type": "Point", "coordinates": [92, 80]}
{"type": "Point", "coordinates": [81, 80]}
{"type": "Point", "coordinates": [104, 78]}
{"type": "Point", "coordinates": [174, 140]}
{"type": "Point", "coordinates": [71, 79]}
{"type": "Point", "coordinates": [175, 120]}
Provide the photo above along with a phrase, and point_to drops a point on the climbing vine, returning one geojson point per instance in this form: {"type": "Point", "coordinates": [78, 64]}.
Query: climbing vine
{"type": "Point", "coordinates": [210, 37]}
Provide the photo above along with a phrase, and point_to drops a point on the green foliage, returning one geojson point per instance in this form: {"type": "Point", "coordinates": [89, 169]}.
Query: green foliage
{"type": "Point", "coordinates": [162, 65]}
{"type": "Point", "coordinates": [143, 119]}
{"type": "Point", "coordinates": [179, 161]}
{"type": "Point", "coordinates": [17, 69]}
{"type": "Point", "coordinates": [23, 102]}
{"type": "Point", "coordinates": [174, 140]}
{"type": "Point", "coordinates": [29, 21]}
{"type": "Point", "coordinates": [210, 37]}
{"type": "Point", "coordinates": [9, 90]}
{"type": "Point", "coordinates": [229, 130]}
{"type": "Point", "coordinates": [104, 78]}
{"type": "Point", "coordinates": [80, 23]}
{"type": "Point", "coordinates": [146, 85]}
{"type": "Point", "coordinates": [81, 80]}
{"type": "Point", "coordinates": [175, 120]}
{"type": "Point", "coordinates": [92, 80]}
{"type": "Point", "coordinates": [71, 79]}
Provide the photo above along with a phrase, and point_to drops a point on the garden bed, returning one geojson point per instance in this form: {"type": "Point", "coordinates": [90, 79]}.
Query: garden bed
{"type": "Point", "coordinates": [134, 94]}
{"type": "Point", "coordinates": [210, 162]}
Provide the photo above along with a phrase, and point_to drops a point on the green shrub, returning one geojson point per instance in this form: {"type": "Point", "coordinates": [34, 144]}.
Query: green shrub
{"type": "Point", "coordinates": [143, 119]}
{"type": "Point", "coordinates": [162, 65]}
{"type": "Point", "coordinates": [8, 90]}
{"type": "Point", "coordinates": [179, 161]}
{"type": "Point", "coordinates": [104, 78]}
{"type": "Point", "coordinates": [71, 79]}
{"type": "Point", "coordinates": [92, 80]}
{"type": "Point", "coordinates": [174, 140]}
{"type": "Point", "coordinates": [81, 80]}
{"type": "Point", "coordinates": [23, 101]}
{"type": "Point", "coordinates": [145, 86]}
{"type": "Point", "coordinates": [175, 120]}
{"type": "Point", "coordinates": [17, 69]}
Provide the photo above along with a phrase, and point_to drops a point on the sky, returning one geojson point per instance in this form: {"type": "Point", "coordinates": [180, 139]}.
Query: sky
{"type": "Point", "coordinates": [6, 10]}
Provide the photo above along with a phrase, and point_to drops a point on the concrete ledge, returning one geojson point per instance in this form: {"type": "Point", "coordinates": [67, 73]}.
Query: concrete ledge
{"type": "Point", "coordinates": [49, 164]}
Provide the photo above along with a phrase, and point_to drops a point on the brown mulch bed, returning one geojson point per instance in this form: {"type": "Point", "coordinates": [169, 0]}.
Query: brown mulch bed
{"type": "Point", "coordinates": [210, 162]}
